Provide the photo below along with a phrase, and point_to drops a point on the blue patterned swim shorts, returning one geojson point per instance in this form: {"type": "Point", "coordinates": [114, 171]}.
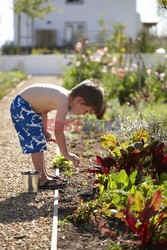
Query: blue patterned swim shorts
{"type": "Point", "coordinates": [28, 125]}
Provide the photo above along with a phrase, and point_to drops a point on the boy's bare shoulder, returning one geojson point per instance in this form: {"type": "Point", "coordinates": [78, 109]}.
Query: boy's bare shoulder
{"type": "Point", "coordinates": [45, 97]}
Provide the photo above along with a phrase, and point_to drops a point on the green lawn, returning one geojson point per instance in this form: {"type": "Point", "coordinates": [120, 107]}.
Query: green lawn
{"type": "Point", "coordinates": [9, 80]}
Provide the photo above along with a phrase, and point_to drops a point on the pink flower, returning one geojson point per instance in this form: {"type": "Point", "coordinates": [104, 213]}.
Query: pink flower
{"type": "Point", "coordinates": [162, 76]}
{"type": "Point", "coordinates": [78, 46]}
{"type": "Point", "coordinates": [121, 73]}
{"type": "Point", "coordinates": [114, 60]}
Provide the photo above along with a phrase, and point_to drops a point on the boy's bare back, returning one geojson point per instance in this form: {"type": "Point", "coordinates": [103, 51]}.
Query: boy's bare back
{"type": "Point", "coordinates": [44, 97]}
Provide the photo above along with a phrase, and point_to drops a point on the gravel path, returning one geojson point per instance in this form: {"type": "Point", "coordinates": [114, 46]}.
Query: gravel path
{"type": "Point", "coordinates": [25, 219]}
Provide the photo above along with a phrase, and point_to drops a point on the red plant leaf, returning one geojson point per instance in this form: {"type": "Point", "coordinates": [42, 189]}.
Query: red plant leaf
{"type": "Point", "coordinates": [99, 160]}
{"type": "Point", "coordinates": [106, 170]}
{"type": "Point", "coordinates": [129, 218]}
{"type": "Point", "coordinates": [151, 207]}
{"type": "Point", "coordinates": [163, 243]}
{"type": "Point", "coordinates": [159, 163]}
{"type": "Point", "coordinates": [133, 159]}
{"type": "Point", "coordinates": [153, 146]}
{"type": "Point", "coordinates": [159, 149]}
{"type": "Point", "coordinates": [164, 161]}
{"type": "Point", "coordinates": [101, 224]}
{"type": "Point", "coordinates": [107, 231]}
{"type": "Point", "coordinates": [143, 232]}
{"type": "Point", "coordinates": [95, 182]}
{"type": "Point", "coordinates": [108, 162]}
{"type": "Point", "coordinates": [131, 221]}
{"type": "Point", "coordinates": [112, 234]}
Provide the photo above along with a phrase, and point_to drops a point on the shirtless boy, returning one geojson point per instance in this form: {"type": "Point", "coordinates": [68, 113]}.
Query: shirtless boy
{"type": "Point", "coordinates": [29, 111]}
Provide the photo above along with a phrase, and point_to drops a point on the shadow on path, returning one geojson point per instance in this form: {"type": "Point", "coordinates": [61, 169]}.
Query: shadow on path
{"type": "Point", "coordinates": [25, 207]}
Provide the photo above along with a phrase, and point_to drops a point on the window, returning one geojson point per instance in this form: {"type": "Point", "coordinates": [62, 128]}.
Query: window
{"type": "Point", "coordinates": [69, 33]}
{"type": "Point", "coordinates": [45, 38]}
{"type": "Point", "coordinates": [74, 30]}
{"type": "Point", "coordinates": [74, 1]}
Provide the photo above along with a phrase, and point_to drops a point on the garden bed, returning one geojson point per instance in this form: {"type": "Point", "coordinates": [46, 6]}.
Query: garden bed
{"type": "Point", "coordinates": [86, 235]}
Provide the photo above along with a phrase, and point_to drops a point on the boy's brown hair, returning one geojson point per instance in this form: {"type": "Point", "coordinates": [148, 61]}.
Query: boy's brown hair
{"type": "Point", "coordinates": [92, 92]}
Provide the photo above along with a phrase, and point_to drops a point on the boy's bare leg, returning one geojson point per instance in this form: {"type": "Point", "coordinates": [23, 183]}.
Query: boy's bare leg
{"type": "Point", "coordinates": [38, 160]}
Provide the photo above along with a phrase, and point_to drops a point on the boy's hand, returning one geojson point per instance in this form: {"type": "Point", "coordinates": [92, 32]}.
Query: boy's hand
{"type": "Point", "coordinates": [73, 158]}
{"type": "Point", "coordinates": [47, 135]}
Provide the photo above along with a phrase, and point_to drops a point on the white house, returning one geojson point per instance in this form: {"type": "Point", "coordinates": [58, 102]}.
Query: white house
{"type": "Point", "coordinates": [76, 17]}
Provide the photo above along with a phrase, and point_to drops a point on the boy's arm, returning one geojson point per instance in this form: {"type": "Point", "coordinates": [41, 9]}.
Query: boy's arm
{"type": "Point", "coordinates": [44, 121]}
{"type": "Point", "coordinates": [47, 134]}
{"type": "Point", "coordinates": [59, 133]}
{"type": "Point", "coordinates": [60, 137]}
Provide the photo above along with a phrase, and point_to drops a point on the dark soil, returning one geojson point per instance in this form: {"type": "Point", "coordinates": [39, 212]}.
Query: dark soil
{"type": "Point", "coordinates": [79, 235]}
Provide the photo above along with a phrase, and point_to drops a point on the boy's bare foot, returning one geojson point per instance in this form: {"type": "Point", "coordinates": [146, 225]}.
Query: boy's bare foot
{"type": "Point", "coordinates": [51, 176]}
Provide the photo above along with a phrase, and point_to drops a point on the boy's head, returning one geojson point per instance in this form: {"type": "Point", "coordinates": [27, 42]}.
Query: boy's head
{"type": "Point", "coordinates": [87, 97]}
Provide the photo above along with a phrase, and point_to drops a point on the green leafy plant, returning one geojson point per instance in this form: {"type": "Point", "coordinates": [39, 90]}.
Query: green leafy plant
{"type": "Point", "coordinates": [84, 212]}
{"type": "Point", "coordinates": [63, 222]}
{"type": "Point", "coordinates": [116, 181]}
{"type": "Point", "coordinates": [60, 162]}
{"type": "Point", "coordinates": [113, 190]}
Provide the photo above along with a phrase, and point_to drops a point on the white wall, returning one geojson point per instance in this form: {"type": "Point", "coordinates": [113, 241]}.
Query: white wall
{"type": "Point", "coordinates": [36, 64]}
{"type": "Point", "coordinates": [53, 64]}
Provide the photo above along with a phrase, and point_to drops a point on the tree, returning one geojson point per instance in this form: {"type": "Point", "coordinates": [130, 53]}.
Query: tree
{"type": "Point", "coordinates": [33, 9]}
{"type": "Point", "coordinates": [162, 4]}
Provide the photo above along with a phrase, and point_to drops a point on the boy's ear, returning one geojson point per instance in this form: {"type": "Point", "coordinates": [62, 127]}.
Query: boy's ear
{"type": "Point", "coordinates": [81, 100]}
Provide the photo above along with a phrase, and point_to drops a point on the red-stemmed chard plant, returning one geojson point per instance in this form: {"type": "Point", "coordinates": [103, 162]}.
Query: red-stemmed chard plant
{"type": "Point", "coordinates": [147, 224]}
{"type": "Point", "coordinates": [103, 167]}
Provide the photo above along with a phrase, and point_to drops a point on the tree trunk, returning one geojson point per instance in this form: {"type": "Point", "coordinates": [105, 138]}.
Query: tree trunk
{"type": "Point", "coordinates": [32, 33]}
{"type": "Point", "coordinates": [18, 33]}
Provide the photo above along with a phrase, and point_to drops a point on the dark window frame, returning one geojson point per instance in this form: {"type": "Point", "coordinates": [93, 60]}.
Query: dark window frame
{"type": "Point", "coordinates": [75, 2]}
